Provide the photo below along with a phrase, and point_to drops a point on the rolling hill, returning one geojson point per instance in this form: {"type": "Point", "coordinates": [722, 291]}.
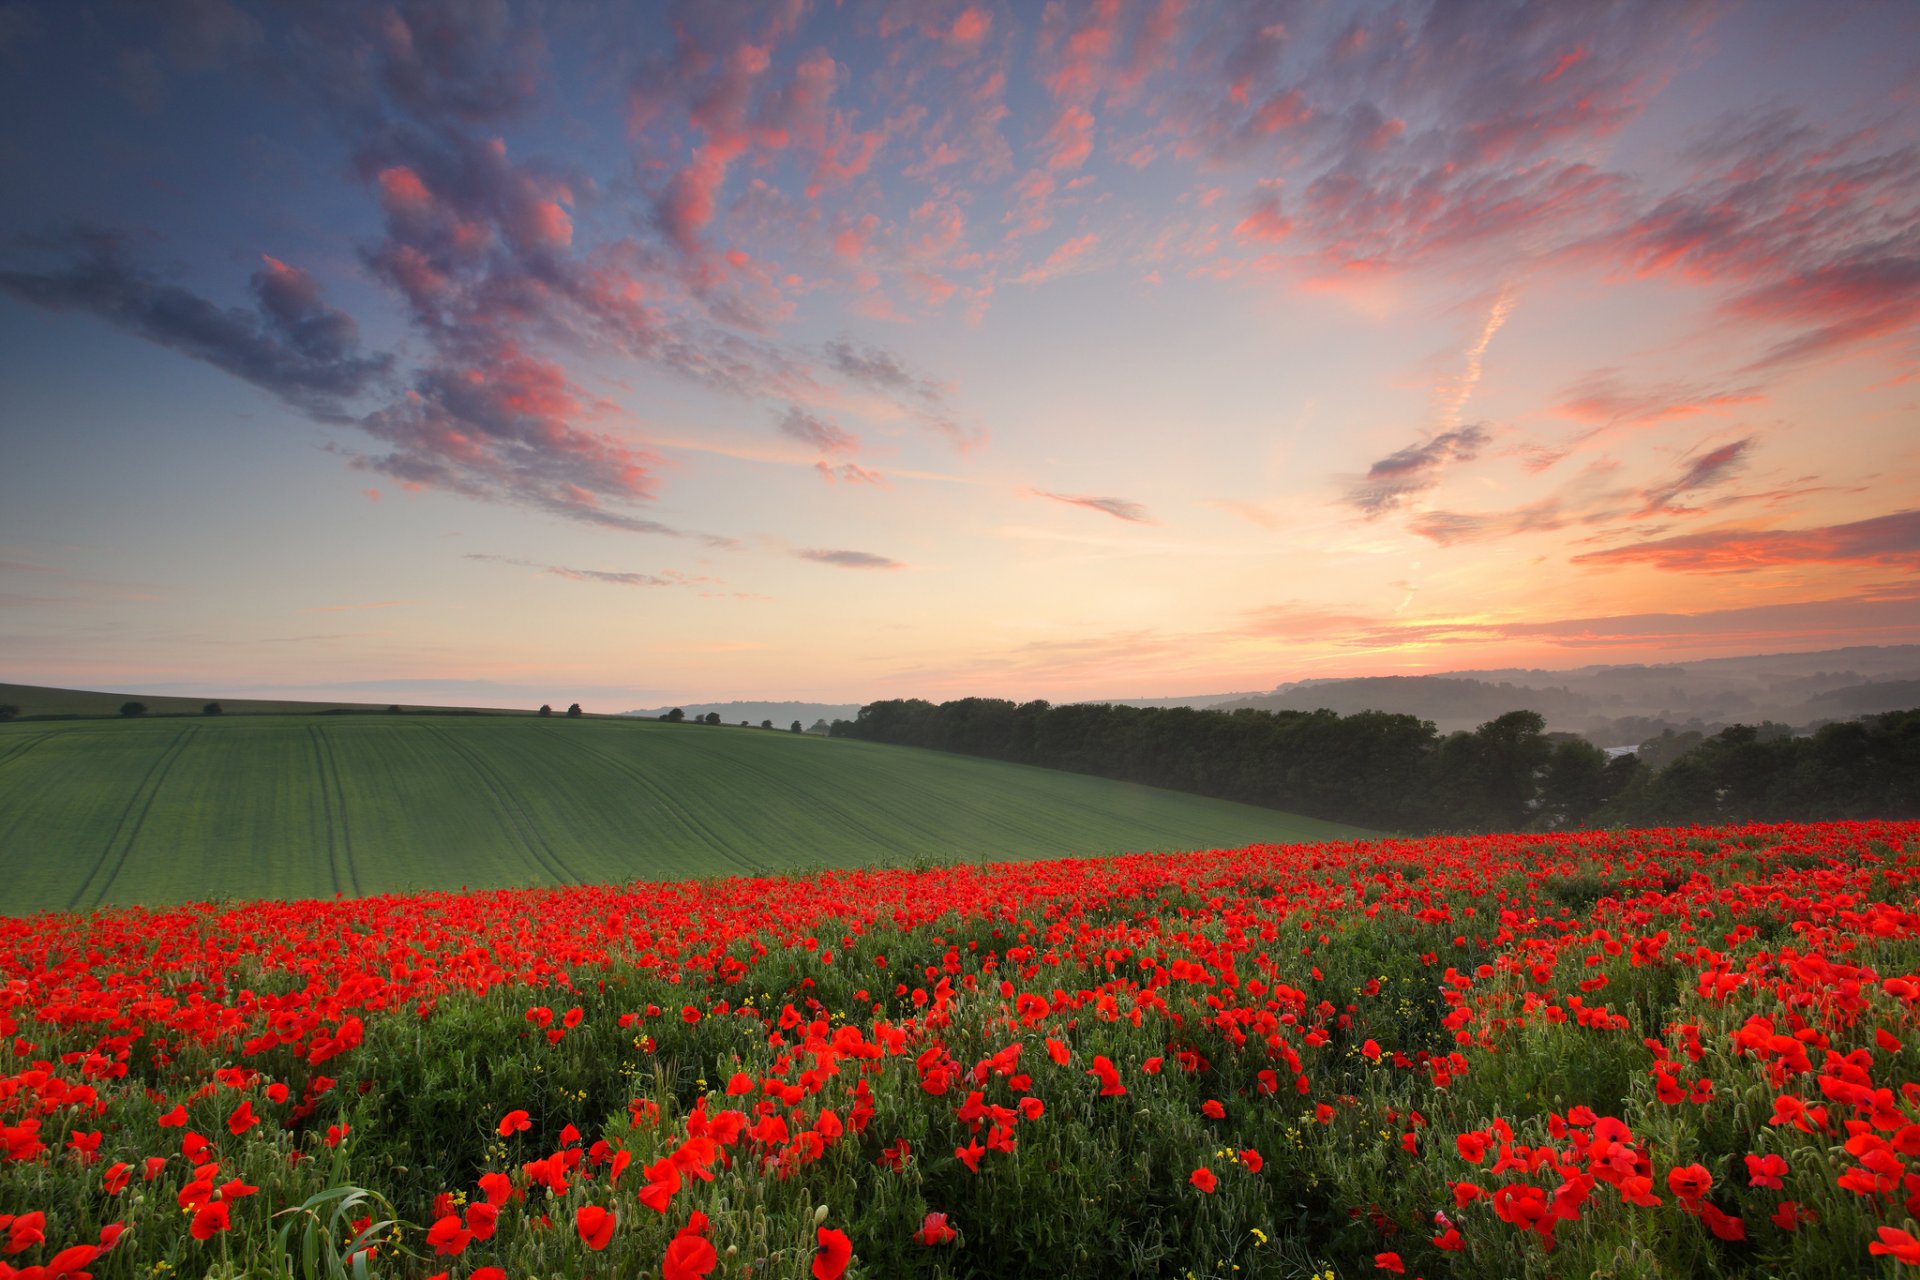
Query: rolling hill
{"type": "Point", "coordinates": [171, 810]}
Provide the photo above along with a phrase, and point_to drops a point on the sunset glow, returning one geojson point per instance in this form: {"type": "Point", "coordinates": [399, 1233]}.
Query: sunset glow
{"type": "Point", "coordinates": [632, 355]}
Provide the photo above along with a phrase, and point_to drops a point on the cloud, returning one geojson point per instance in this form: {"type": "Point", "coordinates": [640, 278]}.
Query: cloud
{"type": "Point", "coordinates": [876, 367]}
{"type": "Point", "coordinates": [1888, 618]}
{"type": "Point", "coordinates": [1819, 232]}
{"type": "Point", "coordinates": [1603, 399]}
{"type": "Point", "coordinates": [822, 435]}
{"type": "Point", "coordinates": [1890, 540]}
{"type": "Point", "coordinates": [1060, 260]}
{"type": "Point", "coordinates": [1703, 472]}
{"type": "Point", "coordinates": [851, 473]}
{"type": "Point", "coordinates": [1590, 500]}
{"type": "Point", "coordinates": [849, 559]}
{"type": "Point", "coordinates": [608, 577]}
{"type": "Point", "coordinates": [289, 343]}
{"type": "Point", "coordinates": [1404, 475]}
{"type": "Point", "coordinates": [504, 426]}
{"type": "Point", "coordinates": [1118, 508]}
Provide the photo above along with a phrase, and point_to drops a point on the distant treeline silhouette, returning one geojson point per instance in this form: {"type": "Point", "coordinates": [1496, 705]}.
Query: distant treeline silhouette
{"type": "Point", "coordinates": [1398, 773]}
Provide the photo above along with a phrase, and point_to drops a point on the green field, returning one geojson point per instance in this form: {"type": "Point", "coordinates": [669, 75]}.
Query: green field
{"type": "Point", "coordinates": [154, 811]}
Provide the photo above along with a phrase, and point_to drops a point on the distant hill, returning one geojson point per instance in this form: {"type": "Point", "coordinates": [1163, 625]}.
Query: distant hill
{"type": "Point", "coordinates": [43, 700]}
{"type": "Point", "coordinates": [782, 714]}
{"type": "Point", "coordinates": [1616, 704]}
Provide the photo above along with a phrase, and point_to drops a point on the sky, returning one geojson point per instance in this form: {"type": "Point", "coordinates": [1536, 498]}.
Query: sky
{"type": "Point", "coordinates": [630, 354]}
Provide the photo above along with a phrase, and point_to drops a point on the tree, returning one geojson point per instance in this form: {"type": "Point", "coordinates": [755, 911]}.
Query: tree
{"type": "Point", "coordinates": [573, 712]}
{"type": "Point", "coordinates": [713, 717]}
{"type": "Point", "coordinates": [795, 728]}
{"type": "Point", "coordinates": [820, 726]}
{"type": "Point", "coordinates": [394, 710]}
{"type": "Point", "coordinates": [674, 716]}
{"type": "Point", "coordinates": [212, 709]}
{"type": "Point", "coordinates": [133, 708]}
{"type": "Point", "coordinates": [8, 711]}
{"type": "Point", "coordinates": [545, 709]}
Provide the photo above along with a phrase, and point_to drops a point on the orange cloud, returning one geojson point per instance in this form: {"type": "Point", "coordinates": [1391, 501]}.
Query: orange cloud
{"type": "Point", "coordinates": [1890, 540]}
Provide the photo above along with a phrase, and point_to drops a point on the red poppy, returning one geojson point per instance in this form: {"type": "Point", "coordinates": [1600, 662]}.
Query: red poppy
{"type": "Point", "coordinates": [496, 1187]}
{"type": "Point", "coordinates": [209, 1220]}
{"type": "Point", "coordinates": [1371, 1052]}
{"type": "Point", "coordinates": [594, 1224]}
{"type": "Point", "coordinates": [688, 1257]}
{"type": "Point", "coordinates": [482, 1219]}
{"type": "Point", "coordinates": [1689, 1181]}
{"type": "Point", "coordinates": [934, 1230]}
{"type": "Point", "coordinates": [1204, 1179]}
{"type": "Point", "coordinates": [1109, 1077]}
{"type": "Point", "coordinates": [1471, 1146]}
{"type": "Point", "coordinates": [242, 1118]}
{"type": "Point", "coordinates": [1213, 1110]}
{"type": "Point", "coordinates": [449, 1236]}
{"type": "Point", "coordinates": [831, 1257]}
{"type": "Point", "coordinates": [1898, 1244]}
{"type": "Point", "coordinates": [514, 1122]}
{"type": "Point", "coordinates": [489, 1273]}
{"type": "Point", "coordinates": [1390, 1262]}
{"type": "Point", "coordinates": [1766, 1171]}
{"type": "Point", "coordinates": [1253, 1160]}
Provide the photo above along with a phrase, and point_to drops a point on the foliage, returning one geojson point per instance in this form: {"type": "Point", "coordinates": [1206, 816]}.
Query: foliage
{"type": "Point", "coordinates": [1397, 772]}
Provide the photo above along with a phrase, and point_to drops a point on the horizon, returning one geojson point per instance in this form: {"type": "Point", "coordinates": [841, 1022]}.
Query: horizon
{"type": "Point", "coordinates": [840, 353]}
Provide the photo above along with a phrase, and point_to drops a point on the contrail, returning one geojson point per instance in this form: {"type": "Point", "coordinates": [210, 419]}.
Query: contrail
{"type": "Point", "coordinates": [1462, 390]}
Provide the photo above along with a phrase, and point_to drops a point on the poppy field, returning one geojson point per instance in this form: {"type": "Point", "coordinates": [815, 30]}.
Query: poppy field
{"type": "Point", "coordinates": [1629, 1053]}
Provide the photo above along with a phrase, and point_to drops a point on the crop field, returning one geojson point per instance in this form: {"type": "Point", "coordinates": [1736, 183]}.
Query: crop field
{"type": "Point", "coordinates": [1627, 1054]}
{"type": "Point", "coordinates": [173, 810]}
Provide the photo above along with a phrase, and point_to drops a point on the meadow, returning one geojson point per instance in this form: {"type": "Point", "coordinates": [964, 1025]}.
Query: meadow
{"type": "Point", "coordinates": [184, 808]}
{"type": "Point", "coordinates": [1681, 1052]}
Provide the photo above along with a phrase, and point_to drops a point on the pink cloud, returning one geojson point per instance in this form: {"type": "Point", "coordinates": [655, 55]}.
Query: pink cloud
{"type": "Point", "coordinates": [971, 27]}
{"type": "Point", "coordinates": [1070, 141]}
{"type": "Point", "coordinates": [1060, 260]}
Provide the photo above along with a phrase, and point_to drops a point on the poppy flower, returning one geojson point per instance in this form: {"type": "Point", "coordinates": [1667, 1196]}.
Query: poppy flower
{"type": "Point", "coordinates": [1765, 1171]}
{"type": "Point", "coordinates": [1390, 1262]}
{"type": "Point", "coordinates": [1689, 1181]}
{"type": "Point", "coordinates": [1371, 1052]}
{"type": "Point", "coordinates": [209, 1220]}
{"type": "Point", "coordinates": [1471, 1146]}
{"type": "Point", "coordinates": [482, 1219]}
{"type": "Point", "coordinates": [514, 1122]}
{"type": "Point", "coordinates": [934, 1230]}
{"type": "Point", "coordinates": [489, 1273]}
{"type": "Point", "coordinates": [1109, 1077]}
{"type": "Point", "coordinates": [496, 1187]}
{"type": "Point", "coordinates": [688, 1257]}
{"type": "Point", "coordinates": [1204, 1179]}
{"type": "Point", "coordinates": [242, 1118]}
{"type": "Point", "coordinates": [25, 1231]}
{"type": "Point", "coordinates": [1213, 1110]}
{"type": "Point", "coordinates": [833, 1253]}
{"type": "Point", "coordinates": [1253, 1160]}
{"type": "Point", "coordinates": [1898, 1245]}
{"type": "Point", "coordinates": [595, 1225]}
{"type": "Point", "coordinates": [449, 1236]}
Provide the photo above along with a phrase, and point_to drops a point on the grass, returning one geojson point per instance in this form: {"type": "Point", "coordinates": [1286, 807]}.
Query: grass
{"type": "Point", "coordinates": [173, 810]}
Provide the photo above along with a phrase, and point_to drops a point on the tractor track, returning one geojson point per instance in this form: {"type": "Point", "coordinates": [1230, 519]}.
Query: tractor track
{"type": "Point", "coordinates": [340, 864]}
{"type": "Point", "coordinates": [127, 830]}
{"type": "Point", "coordinates": [523, 824]}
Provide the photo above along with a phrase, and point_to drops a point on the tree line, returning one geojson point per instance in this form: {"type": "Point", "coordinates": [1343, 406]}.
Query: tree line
{"type": "Point", "coordinates": [1397, 772]}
